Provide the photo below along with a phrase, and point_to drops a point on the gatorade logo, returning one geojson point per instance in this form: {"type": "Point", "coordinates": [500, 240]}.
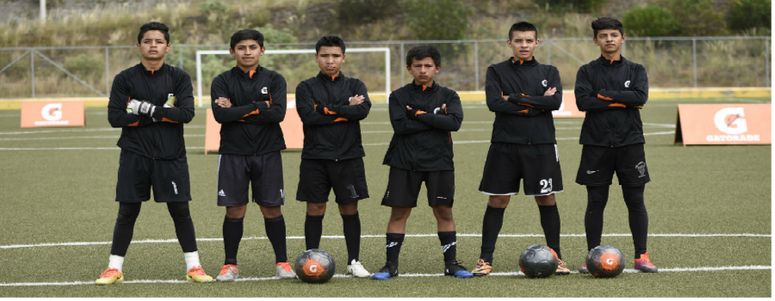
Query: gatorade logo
{"type": "Point", "coordinates": [544, 83]}
{"type": "Point", "coordinates": [627, 84]}
{"type": "Point", "coordinates": [264, 90]}
{"type": "Point", "coordinates": [51, 112]}
{"type": "Point", "coordinates": [731, 121]}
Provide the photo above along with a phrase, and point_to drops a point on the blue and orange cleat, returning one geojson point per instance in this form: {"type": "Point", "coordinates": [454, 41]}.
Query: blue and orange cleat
{"type": "Point", "coordinates": [643, 264]}
{"type": "Point", "coordinates": [455, 269]}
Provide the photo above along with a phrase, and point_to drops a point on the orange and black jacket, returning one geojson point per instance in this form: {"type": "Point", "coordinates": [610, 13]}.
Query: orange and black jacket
{"type": "Point", "coordinates": [332, 129]}
{"type": "Point", "coordinates": [250, 126]}
{"type": "Point", "coordinates": [159, 136]}
{"type": "Point", "coordinates": [611, 94]}
{"type": "Point", "coordinates": [526, 117]}
{"type": "Point", "coordinates": [422, 139]}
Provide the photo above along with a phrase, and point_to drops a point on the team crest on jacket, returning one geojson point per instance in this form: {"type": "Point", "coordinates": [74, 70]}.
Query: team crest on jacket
{"type": "Point", "coordinates": [627, 84]}
{"type": "Point", "coordinates": [264, 90]}
{"type": "Point", "coordinates": [545, 83]}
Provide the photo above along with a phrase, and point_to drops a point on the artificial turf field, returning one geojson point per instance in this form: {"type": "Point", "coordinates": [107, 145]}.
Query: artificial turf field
{"type": "Point", "coordinates": [709, 211]}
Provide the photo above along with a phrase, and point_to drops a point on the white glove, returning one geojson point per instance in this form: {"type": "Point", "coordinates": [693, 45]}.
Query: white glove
{"type": "Point", "coordinates": [133, 107]}
{"type": "Point", "coordinates": [147, 109]}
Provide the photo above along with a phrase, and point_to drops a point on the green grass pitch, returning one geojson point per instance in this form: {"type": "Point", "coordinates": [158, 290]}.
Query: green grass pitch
{"type": "Point", "coordinates": [709, 210]}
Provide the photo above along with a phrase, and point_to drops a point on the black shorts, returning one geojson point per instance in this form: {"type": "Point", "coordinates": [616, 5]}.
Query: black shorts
{"type": "Point", "coordinates": [264, 173]}
{"type": "Point", "coordinates": [404, 187]}
{"type": "Point", "coordinates": [598, 164]}
{"type": "Point", "coordinates": [538, 166]}
{"type": "Point", "coordinates": [138, 174]}
{"type": "Point", "coordinates": [318, 177]}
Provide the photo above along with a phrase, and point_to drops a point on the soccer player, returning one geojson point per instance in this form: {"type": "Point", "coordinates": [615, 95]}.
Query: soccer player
{"type": "Point", "coordinates": [523, 93]}
{"type": "Point", "coordinates": [331, 106]}
{"type": "Point", "coordinates": [423, 115]}
{"type": "Point", "coordinates": [249, 103]}
{"type": "Point", "coordinates": [150, 102]}
{"type": "Point", "coordinates": [612, 90]}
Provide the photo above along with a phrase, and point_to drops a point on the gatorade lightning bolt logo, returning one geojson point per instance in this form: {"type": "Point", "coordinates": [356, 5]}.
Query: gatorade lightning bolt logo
{"type": "Point", "coordinates": [609, 261]}
{"type": "Point", "coordinates": [313, 268]}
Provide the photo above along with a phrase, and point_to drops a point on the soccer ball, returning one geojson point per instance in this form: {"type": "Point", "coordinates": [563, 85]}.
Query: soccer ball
{"type": "Point", "coordinates": [538, 261]}
{"type": "Point", "coordinates": [605, 261]}
{"type": "Point", "coordinates": [315, 266]}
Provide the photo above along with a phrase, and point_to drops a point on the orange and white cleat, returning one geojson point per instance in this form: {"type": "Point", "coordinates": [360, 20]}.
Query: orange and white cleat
{"type": "Point", "coordinates": [198, 275]}
{"type": "Point", "coordinates": [110, 276]}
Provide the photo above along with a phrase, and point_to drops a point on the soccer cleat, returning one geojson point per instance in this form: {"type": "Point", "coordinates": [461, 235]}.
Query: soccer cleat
{"type": "Point", "coordinates": [482, 268]}
{"type": "Point", "coordinates": [110, 276]}
{"type": "Point", "coordinates": [356, 269]}
{"type": "Point", "coordinates": [198, 275]}
{"type": "Point", "coordinates": [455, 269]}
{"type": "Point", "coordinates": [643, 264]}
{"type": "Point", "coordinates": [283, 270]}
{"type": "Point", "coordinates": [583, 268]}
{"type": "Point", "coordinates": [229, 272]}
{"type": "Point", "coordinates": [562, 268]}
{"type": "Point", "coordinates": [385, 273]}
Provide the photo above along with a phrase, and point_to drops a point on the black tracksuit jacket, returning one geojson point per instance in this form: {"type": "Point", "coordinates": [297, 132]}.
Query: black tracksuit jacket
{"type": "Point", "coordinates": [423, 143]}
{"type": "Point", "coordinates": [160, 137]}
{"type": "Point", "coordinates": [622, 82]}
{"type": "Point", "coordinates": [325, 138]}
{"type": "Point", "coordinates": [249, 126]}
{"type": "Point", "coordinates": [526, 118]}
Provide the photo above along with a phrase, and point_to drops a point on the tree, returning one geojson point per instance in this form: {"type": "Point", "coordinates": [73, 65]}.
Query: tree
{"type": "Point", "coordinates": [747, 14]}
{"type": "Point", "coordinates": [650, 20]}
{"type": "Point", "coordinates": [437, 19]}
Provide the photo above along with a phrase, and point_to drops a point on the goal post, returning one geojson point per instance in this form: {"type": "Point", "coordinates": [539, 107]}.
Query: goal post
{"type": "Point", "coordinates": [201, 53]}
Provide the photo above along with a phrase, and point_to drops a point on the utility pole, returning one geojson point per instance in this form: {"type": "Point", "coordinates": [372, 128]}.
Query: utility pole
{"type": "Point", "coordinates": [42, 11]}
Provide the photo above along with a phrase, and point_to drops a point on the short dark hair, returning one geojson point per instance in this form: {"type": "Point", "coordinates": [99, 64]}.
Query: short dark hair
{"type": "Point", "coordinates": [421, 52]}
{"type": "Point", "coordinates": [523, 26]}
{"type": "Point", "coordinates": [606, 23]}
{"type": "Point", "coordinates": [329, 41]}
{"type": "Point", "coordinates": [154, 26]}
{"type": "Point", "coordinates": [246, 34]}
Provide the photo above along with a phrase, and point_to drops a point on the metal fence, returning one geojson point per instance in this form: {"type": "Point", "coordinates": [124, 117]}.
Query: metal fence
{"type": "Point", "coordinates": [671, 62]}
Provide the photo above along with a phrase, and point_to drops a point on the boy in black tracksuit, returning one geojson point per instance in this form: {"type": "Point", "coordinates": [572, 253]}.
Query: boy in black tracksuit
{"type": "Point", "coordinates": [522, 93]}
{"type": "Point", "coordinates": [150, 102]}
{"type": "Point", "coordinates": [612, 90]}
{"type": "Point", "coordinates": [249, 102]}
{"type": "Point", "coordinates": [331, 106]}
{"type": "Point", "coordinates": [423, 115]}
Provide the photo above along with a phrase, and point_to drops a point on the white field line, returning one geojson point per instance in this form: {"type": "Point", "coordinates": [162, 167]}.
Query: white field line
{"type": "Point", "coordinates": [210, 239]}
{"type": "Point", "coordinates": [403, 275]}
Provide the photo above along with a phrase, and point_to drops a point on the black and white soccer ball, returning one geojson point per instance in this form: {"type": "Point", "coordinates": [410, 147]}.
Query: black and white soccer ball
{"type": "Point", "coordinates": [538, 261]}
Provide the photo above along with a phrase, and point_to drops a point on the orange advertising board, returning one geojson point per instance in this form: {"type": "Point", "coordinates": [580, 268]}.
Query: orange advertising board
{"type": "Point", "coordinates": [293, 132]}
{"type": "Point", "coordinates": [568, 107]}
{"type": "Point", "coordinates": [52, 114]}
{"type": "Point", "coordinates": [723, 124]}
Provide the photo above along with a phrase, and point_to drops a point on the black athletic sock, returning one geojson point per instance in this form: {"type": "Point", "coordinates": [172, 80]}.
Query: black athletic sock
{"type": "Point", "coordinates": [639, 217]}
{"type": "Point", "coordinates": [597, 197]}
{"type": "Point", "coordinates": [351, 226]}
{"type": "Point", "coordinates": [448, 246]}
{"type": "Point", "coordinates": [550, 222]}
{"type": "Point", "coordinates": [275, 230]}
{"type": "Point", "coordinates": [232, 235]}
{"type": "Point", "coordinates": [313, 229]}
{"type": "Point", "coordinates": [124, 228]}
{"type": "Point", "coordinates": [393, 248]}
{"type": "Point", "coordinates": [184, 226]}
{"type": "Point", "coordinates": [491, 227]}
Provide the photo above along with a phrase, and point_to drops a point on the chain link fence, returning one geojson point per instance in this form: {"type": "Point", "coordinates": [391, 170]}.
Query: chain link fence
{"type": "Point", "coordinates": [671, 62]}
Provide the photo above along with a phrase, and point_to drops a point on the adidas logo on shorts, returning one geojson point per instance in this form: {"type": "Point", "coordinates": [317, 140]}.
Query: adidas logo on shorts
{"type": "Point", "coordinates": [221, 193]}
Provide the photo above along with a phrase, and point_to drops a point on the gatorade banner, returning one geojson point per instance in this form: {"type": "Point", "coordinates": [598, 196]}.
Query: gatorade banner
{"type": "Point", "coordinates": [293, 133]}
{"type": "Point", "coordinates": [723, 124]}
{"type": "Point", "coordinates": [568, 107]}
{"type": "Point", "coordinates": [52, 114]}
